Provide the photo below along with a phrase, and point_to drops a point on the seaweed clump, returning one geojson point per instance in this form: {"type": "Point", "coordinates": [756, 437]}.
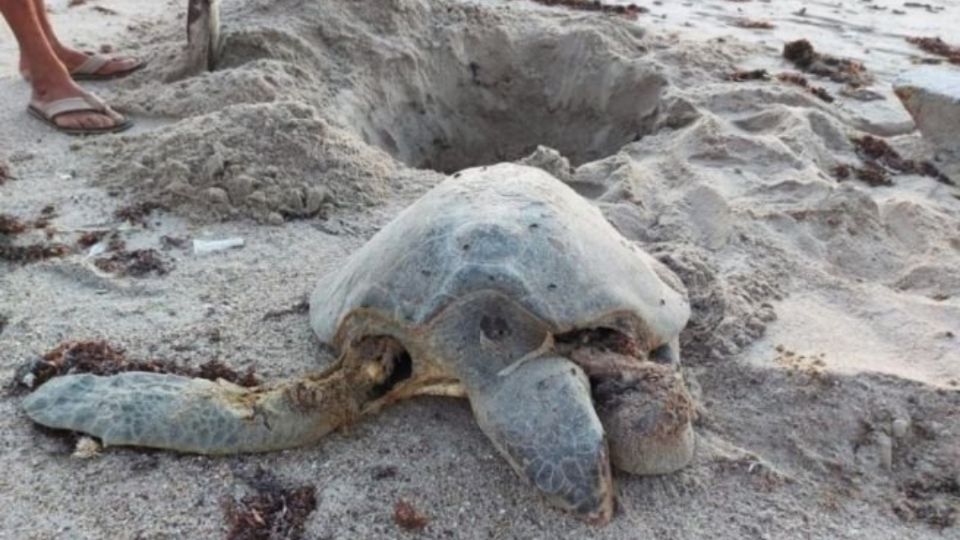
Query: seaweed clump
{"type": "Point", "coordinates": [629, 10]}
{"type": "Point", "coordinates": [272, 510]}
{"type": "Point", "coordinates": [938, 47]}
{"type": "Point", "coordinates": [15, 253]}
{"type": "Point", "coordinates": [102, 358]}
{"type": "Point", "coordinates": [842, 70]}
{"type": "Point", "coordinates": [880, 160]}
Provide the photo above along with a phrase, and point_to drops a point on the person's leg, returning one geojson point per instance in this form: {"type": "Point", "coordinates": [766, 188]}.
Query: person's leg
{"type": "Point", "coordinates": [70, 57]}
{"type": "Point", "coordinates": [50, 79]}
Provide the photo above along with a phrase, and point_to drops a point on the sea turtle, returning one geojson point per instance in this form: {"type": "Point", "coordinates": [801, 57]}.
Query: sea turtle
{"type": "Point", "coordinates": [501, 285]}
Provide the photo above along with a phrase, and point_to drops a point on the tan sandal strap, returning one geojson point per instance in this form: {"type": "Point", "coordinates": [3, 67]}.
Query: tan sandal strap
{"type": "Point", "coordinates": [96, 102]}
{"type": "Point", "coordinates": [68, 105]}
{"type": "Point", "coordinates": [92, 65]}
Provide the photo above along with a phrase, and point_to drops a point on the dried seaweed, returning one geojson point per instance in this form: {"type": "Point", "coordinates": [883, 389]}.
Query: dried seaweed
{"type": "Point", "coordinates": [407, 517]}
{"type": "Point", "coordinates": [937, 46]}
{"type": "Point", "coordinates": [929, 7]}
{"type": "Point", "coordinates": [801, 81]}
{"type": "Point", "coordinates": [136, 263]}
{"type": "Point", "coordinates": [843, 70]}
{"type": "Point", "coordinates": [875, 150]}
{"type": "Point", "coordinates": [136, 214]}
{"type": "Point", "coordinates": [102, 358]}
{"type": "Point", "coordinates": [879, 160]}
{"type": "Point", "coordinates": [300, 307]}
{"type": "Point", "coordinates": [932, 500]}
{"type": "Point", "coordinates": [629, 10]}
{"type": "Point", "coordinates": [90, 238]}
{"type": "Point", "coordinates": [870, 174]}
{"type": "Point", "coordinates": [11, 225]}
{"type": "Point", "coordinates": [272, 511]}
{"type": "Point", "coordinates": [754, 24]}
{"type": "Point", "coordinates": [31, 252]}
{"type": "Point", "coordinates": [749, 75]}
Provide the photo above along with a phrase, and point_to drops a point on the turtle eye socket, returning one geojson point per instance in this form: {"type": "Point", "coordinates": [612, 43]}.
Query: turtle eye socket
{"type": "Point", "coordinates": [663, 354]}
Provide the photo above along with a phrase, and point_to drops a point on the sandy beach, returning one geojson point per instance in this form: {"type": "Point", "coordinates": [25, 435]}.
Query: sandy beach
{"type": "Point", "coordinates": [822, 351]}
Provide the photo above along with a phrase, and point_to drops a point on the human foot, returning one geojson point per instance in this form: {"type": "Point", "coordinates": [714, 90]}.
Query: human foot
{"type": "Point", "coordinates": [72, 110]}
{"type": "Point", "coordinates": [91, 66]}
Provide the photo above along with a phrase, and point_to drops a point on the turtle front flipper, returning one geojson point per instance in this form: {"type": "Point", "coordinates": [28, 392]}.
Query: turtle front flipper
{"type": "Point", "coordinates": [534, 406]}
{"type": "Point", "coordinates": [194, 415]}
{"type": "Point", "coordinates": [541, 418]}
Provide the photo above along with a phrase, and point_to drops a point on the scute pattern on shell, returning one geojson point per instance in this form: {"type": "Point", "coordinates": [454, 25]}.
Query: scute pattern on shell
{"type": "Point", "coordinates": [510, 228]}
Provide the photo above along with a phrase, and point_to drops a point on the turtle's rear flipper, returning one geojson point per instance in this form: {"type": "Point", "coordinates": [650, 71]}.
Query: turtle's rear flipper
{"type": "Point", "coordinates": [203, 39]}
{"type": "Point", "coordinates": [542, 420]}
{"type": "Point", "coordinates": [191, 415]}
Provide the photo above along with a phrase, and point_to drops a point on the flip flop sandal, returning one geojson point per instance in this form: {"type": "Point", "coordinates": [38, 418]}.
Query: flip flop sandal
{"type": "Point", "coordinates": [89, 70]}
{"type": "Point", "coordinates": [48, 112]}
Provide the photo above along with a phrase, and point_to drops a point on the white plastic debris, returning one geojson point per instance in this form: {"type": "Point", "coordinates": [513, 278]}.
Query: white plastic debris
{"type": "Point", "coordinates": [97, 249]}
{"type": "Point", "coordinates": [201, 247]}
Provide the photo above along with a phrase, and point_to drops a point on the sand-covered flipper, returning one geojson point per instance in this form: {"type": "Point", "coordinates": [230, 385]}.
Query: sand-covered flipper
{"type": "Point", "coordinates": [194, 415]}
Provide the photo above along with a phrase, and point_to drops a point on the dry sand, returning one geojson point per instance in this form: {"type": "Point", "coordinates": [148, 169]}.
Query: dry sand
{"type": "Point", "coordinates": [823, 348]}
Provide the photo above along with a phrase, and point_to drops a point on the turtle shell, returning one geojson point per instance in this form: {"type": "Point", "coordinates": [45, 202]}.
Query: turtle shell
{"type": "Point", "coordinates": [509, 228]}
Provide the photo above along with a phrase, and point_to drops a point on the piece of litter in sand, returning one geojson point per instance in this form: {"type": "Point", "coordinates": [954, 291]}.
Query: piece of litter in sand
{"type": "Point", "coordinates": [97, 249]}
{"type": "Point", "coordinates": [201, 247]}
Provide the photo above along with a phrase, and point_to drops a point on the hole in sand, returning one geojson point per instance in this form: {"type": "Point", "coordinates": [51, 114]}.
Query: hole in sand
{"type": "Point", "coordinates": [482, 95]}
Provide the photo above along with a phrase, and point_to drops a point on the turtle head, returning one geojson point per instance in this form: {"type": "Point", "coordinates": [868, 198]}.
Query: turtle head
{"type": "Point", "coordinates": [541, 419]}
{"type": "Point", "coordinates": [534, 406]}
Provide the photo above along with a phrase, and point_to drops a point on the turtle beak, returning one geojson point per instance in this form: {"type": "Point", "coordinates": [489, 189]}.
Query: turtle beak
{"type": "Point", "coordinates": [541, 418]}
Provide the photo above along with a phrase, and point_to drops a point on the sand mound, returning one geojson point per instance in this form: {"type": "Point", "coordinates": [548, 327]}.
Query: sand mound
{"type": "Point", "coordinates": [269, 162]}
{"type": "Point", "coordinates": [738, 199]}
